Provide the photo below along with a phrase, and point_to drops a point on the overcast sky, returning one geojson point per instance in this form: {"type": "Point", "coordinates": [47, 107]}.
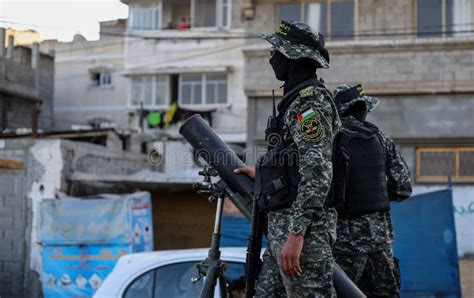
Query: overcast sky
{"type": "Point", "coordinates": [60, 19]}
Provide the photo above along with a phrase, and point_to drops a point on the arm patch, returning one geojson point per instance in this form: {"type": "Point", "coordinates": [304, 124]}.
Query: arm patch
{"type": "Point", "coordinates": [310, 125]}
{"type": "Point", "coordinates": [307, 92]}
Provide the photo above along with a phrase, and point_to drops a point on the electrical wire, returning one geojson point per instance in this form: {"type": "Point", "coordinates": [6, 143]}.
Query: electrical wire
{"type": "Point", "coordinates": [401, 31]}
{"type": "Point", "coordinates": [184, 58]}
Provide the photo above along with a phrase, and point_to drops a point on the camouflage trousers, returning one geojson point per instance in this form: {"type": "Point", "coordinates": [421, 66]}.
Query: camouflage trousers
{"type": "Point", "coordinates": [316, 261]}
{"type": "Point", "coordinates": [377, 274]}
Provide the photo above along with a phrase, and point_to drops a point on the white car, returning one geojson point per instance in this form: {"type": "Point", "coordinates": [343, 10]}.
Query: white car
{"type": "Point", "coordinates": [169, 274]}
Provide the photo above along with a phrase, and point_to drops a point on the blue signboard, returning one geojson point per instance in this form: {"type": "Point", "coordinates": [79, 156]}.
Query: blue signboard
{"type": "Point", "coordinates": [425, 243]}
{"type": "Point", "coordinates": [78, 271]}
{"type": "Point", "coordinates": [83, 238]}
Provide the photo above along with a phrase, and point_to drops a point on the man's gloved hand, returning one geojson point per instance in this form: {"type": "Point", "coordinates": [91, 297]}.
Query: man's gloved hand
{"type": "Point", "coordinates": [290, 255]}
{"type": "Point", "coordinates": [249, 171]}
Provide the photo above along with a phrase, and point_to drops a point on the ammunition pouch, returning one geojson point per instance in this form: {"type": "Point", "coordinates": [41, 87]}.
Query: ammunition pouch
{"type": "Point", "coordinates": [277, 179]}
{"type": "Point", "coordinates": [274, 187]}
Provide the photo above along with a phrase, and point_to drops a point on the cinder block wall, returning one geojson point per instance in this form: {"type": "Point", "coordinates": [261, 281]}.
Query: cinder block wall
{"type": "Point", "coordinates": [16, 279]}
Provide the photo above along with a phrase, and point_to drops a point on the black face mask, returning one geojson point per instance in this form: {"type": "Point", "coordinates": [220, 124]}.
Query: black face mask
{"type": "Point", "coordinates": [292, 72]}
{"type": "Point", "coordinates": [281, 66]}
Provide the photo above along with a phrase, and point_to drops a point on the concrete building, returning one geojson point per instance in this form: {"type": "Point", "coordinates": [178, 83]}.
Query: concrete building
{"type": "Point", "coordinates": [188, 53]}
{"type": "Point", "coordinates": [416, 56]}
{"type": "Point", "coordinates": [89, 88]}
{"type": "Point", "coordinates": [23, 37]}
{"type": "Point", "coordinates": [26, 87]}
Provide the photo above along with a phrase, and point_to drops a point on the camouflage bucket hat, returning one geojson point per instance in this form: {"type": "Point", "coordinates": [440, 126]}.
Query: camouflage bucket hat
{"type": "Point", "coordinates": [347, 95]}
{"type": "Point", "coordinates": [297, 40]}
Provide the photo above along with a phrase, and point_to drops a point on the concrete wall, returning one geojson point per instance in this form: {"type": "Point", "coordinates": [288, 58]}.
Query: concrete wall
{"type": "Point", "coordinates": [46, 91]}
{"type": "Point", "coordinates": [426, 116]}
{"type": "Point", "coordinates": [26, 78]}
{"type": "Point", "coordinates": [15, 112]}
{"type": "Point", "coordinates": [49, 166]}
{"type": "Point", "coordinates": [17, 278]}
{"type": "Point", "coordinates": [13, 215]}
{"type": "Point", "coordinates": [86, 159]}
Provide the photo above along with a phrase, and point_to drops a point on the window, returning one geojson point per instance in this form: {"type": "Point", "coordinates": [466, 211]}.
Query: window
{"type": "Point", "coordinates": [175, 281]}
{"type": "Point", "coordinates": [438, 164]}
{"type": "Point", "coordinates": [176, 14]}
{"type": "Point", "coordinates": [203, 16]}
{"type": "Point", "coordinates": [185, 14]}
{"type": "Point", "coordinates": [151, 90]}
{"type": "Point", "coordinates": [145, 17]}
{"type": "Point", "coordinates": [223, 13]}
{"type": "Point", "coordinates": [141, 287]}
{"type": "Point", "coordinates": [101, 78]}
{"type": "Point", "coordinates": [105, 79]}
{"type": "Point", "coordinates": [203, 90]}
{"type": "Point", "coordinates": [324, 16]}
{"type": "Point", "coordinates": [444, 17]}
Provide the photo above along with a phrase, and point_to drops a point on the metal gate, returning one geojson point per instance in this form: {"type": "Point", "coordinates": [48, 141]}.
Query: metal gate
{"type": "Point", "coordinates": [425, 243]}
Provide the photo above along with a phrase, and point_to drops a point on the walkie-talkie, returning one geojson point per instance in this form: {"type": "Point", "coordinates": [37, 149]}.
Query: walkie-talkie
{"type": "Point", "coordinates": [271, 132]}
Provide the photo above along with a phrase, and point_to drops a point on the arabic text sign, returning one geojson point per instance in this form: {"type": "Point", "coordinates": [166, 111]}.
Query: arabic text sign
{"type": "Point", "coordinates": [72, 271]}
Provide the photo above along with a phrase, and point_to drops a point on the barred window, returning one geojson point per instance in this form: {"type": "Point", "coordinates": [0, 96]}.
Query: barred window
{"type": "Point", "coordinates": [438, 164]}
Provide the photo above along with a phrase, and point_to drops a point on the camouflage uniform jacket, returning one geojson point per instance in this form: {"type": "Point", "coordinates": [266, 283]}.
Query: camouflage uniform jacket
{"type": "Point", "coordinates": [309, 126]}
{"type": "Point", "coordinates": [374, 232]}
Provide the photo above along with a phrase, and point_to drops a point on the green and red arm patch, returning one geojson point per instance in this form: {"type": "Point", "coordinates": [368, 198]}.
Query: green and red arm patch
{"type": "Point", "coordinates": [310, 125]}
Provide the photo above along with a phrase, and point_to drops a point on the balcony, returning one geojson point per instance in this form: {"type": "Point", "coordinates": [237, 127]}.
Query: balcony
{"type": "Point", "coordinates": [179, 15]}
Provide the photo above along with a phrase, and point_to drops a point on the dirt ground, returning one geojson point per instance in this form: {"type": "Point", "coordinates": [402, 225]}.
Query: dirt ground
{"type": "Point", "coordinates": [466, 268]}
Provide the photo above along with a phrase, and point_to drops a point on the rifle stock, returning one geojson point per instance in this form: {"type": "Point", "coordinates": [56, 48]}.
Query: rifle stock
{"type": "Point", "coordinates": [253, 261]}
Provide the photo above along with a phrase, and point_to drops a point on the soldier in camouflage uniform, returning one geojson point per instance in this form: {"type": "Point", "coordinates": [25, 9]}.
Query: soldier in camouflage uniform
{"type": "Point", "coordinates": [364, 230]}
{"type": "Point", "coordinates": [301, 231]}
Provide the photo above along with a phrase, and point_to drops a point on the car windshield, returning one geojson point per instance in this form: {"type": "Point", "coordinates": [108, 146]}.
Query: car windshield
{"type": "Point", "coordinates": [175, 280]}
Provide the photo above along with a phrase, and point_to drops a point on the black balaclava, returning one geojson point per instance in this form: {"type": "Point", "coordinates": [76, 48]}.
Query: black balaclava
{"type": "Point", "coordinates": [358, 111]}
{"type": "Point", "coordinates": [292, 72]}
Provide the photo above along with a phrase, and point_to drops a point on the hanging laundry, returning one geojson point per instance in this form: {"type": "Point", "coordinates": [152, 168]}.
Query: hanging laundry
{"type": "Point", "coordinates": [154, 119]}
{"type": "Point", "coordinates": [169, 115]}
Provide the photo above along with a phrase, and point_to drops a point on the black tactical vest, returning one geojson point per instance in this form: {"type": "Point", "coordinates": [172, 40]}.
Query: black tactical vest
{"type": "Point", "coordinates": [277, 176]}
{"type": "Point", "coordinates": [366, 189]}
